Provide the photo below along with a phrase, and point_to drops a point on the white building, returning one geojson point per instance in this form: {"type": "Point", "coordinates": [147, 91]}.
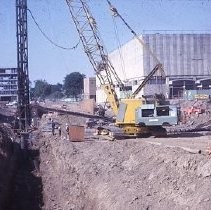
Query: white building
{"type": "Point", "coordinates": [90, 88]}
{"type": "Point", "coordinates": [186, 60]}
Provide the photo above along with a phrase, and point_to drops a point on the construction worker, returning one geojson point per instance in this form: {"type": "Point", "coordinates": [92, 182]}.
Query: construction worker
{"type": "Point", "coordinates": [53, 127]}
{"type": "Point", "coordinates": [60, 131]}
{"type": "Point", "coordinates": [67, 130]}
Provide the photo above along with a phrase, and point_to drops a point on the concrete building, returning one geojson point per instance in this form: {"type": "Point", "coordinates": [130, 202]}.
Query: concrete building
{"type": "Point", "coordinates": [90, 88]}
{"type": "Point", "coordinates": [8, 84]}
{"type": "Point", "coordinates": [186, 59]}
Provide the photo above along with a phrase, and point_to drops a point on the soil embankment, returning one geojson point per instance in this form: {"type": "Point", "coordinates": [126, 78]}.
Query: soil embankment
{"type": "Point", "coordinates": [128, 174]}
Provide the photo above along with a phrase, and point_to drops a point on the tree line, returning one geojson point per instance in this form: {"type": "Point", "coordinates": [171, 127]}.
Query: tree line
{"type": "Point", "coordinates": [72, 87]}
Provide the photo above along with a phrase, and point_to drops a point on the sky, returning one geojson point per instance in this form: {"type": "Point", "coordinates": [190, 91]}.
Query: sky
{"type": "Point", "coordinates": [52, 64]}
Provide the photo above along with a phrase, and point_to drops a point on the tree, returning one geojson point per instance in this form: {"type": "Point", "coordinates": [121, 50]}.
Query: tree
{"type": "Point", "coordinates": [44, 90]}
{"type": "Point", "coordinates": [41, 89]}
{"type": "Point", "coordinates": [56, 95]}
{"type": "Point", "coordinates": [56, 88]}
{"type": "Point", "coordinates": [73, 84]}
{"type": "Point", "coordinates": [56, 91]}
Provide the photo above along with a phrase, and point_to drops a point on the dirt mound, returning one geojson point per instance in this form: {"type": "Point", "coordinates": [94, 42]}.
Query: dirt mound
{"type": "Point", "coordinates": [122, 175]}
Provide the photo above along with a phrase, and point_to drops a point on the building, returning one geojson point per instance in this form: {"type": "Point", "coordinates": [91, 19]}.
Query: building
{"type": "Point", "coordinates": [8, 84]}
{"type": "Point", "coordinates": [186, 59]}
{"type": "Point", "coordinates": [90, 88]}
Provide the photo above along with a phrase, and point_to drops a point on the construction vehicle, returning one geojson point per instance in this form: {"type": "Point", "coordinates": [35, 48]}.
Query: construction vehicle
{"type": "Point", "coordinates": [133, 115]}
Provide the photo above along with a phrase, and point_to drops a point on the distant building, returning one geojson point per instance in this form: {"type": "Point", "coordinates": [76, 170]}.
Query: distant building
{"type": "Point", "coordinates": [186, 59]}
{"type": "Point", "coordinates": [8, 84]}
{"type": "Point", "coordinates": [90, 88]}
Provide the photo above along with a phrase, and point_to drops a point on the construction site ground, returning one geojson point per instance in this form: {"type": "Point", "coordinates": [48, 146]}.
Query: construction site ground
{"type": "Point", "coordinates": [136, 173]}
{"type": "Point", "coordinates": [125, 174]}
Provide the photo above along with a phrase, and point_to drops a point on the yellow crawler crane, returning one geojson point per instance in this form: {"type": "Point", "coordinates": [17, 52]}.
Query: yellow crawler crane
{"type": "Point", "coordinates": [128, 112]}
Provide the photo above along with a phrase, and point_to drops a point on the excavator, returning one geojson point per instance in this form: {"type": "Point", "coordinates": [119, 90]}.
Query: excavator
{"type": "Point", "coordinates": [133, 115]}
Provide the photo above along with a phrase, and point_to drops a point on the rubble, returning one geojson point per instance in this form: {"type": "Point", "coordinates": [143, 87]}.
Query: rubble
{"type": "Point", "coordinates": [193, 121]}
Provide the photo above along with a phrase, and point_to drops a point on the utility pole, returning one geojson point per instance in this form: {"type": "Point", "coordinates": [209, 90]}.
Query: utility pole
{"type": "Point", "coordinates": [24, 116]}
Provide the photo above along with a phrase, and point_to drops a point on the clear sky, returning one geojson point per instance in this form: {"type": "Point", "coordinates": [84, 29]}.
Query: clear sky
{"type": "Point", "coordinates": [53, 64]}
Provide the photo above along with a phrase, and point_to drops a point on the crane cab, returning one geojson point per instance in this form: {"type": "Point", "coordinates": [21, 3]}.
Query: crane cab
{"type": "Point", "coordinates": [160, 115]}
{"type": "Point", "coordinates": [136, 117]}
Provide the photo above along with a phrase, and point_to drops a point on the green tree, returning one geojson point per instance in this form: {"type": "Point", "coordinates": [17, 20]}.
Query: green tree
{"type": "Point", "coordinates": [56, 91]}
{"type": "Point", "coordinates": [56, 95]}
{"type": "Point", "coordinates": [56, 88]}
{"type": "Point", "coordinates": [73, 84]}
{"type": "Point", "coordinates": [41, 89]}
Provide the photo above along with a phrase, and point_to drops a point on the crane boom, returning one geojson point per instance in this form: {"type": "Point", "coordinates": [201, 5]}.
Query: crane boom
{"type": "Point", "coordinates": [148, 77]}
{"type": "Point", "coordinates": [93, 47]}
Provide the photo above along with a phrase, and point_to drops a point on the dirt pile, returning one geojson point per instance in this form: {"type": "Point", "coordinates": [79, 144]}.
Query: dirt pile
{"type": "Point", "coordinates": [7, 114]}
{"type": "Point", "coordinates": [122, 175]}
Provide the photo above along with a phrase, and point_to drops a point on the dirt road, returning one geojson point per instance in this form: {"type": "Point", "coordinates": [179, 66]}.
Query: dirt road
{"type": "Point", "coordinates": [188, 141]}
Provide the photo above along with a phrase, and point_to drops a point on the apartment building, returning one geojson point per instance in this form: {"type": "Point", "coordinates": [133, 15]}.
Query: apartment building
{"type": "Point", "coordinates": [90, 88]}
{"type": "Point", "coordinates": [8, 84]}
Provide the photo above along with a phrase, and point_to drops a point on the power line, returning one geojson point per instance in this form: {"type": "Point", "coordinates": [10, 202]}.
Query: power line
{"type": "Point", "coordinates": [47, 37]}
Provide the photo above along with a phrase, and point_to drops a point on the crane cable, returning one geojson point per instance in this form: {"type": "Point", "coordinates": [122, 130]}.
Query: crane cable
{"type": "Point", "coordinates": [50, 40]}
{"type": "Point", "coordinates": [115, 13]}
{"type": "Point", "coordinates": [119, 44]}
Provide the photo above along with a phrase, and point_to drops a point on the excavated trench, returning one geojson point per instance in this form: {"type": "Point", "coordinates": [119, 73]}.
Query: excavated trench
{"type": "Point", "coordinates": [27, 188]}
{"type": "Point", "coordinates": [20, 183]}
{"type": "Point", "coordinates": [27, 183]}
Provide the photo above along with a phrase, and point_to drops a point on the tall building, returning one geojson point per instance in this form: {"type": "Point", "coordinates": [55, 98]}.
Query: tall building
{"type": "Point", "coordinates": [186, 60]}
{"type": "Point", "coordinates": [90, 88]}
{"type": "Point", "coordinates": [8, 84]}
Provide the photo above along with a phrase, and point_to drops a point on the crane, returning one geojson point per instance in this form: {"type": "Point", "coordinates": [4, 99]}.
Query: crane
{"type": "Point", "coordinates": [127, 111]}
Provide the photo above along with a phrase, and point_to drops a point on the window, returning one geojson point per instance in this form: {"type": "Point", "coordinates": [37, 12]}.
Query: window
{"type": "Point", "coordinates": [14, 71]}
{"type": "Point", "coordinates": [126, 88]}
{"type": "Point", "coordinates": [162, 111]}
{"type": "Point", "coordinates": [2, 71]}
{"type": "Point", "coordinates": [156, 80]}
{"type": "Point", "coordinates": [147, 112]}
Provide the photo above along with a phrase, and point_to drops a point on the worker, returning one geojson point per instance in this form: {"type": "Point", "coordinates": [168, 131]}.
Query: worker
{"type": "Point", "coordinates": [67, 130]}
{"type": "Point", "coordinates": [60, 131]}
{"type": "Point", "coordinates": [53, 127]}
